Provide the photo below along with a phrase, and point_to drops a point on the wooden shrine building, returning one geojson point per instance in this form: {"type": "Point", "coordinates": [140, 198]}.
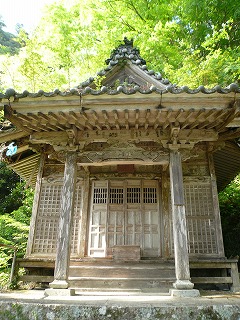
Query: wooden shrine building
{"type": "Point", "coordinates": [126, 179]}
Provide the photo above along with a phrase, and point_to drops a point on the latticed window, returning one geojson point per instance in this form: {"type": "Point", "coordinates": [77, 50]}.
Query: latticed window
{"type": "Point", "coordinates": [116, 195]}
{"type": "Point", "coordinates": [200, 218]}
{"type": "Point", "coordinates": [149, 195]}
{"type": "Point", "coordinates": [46, 228]}
{"type": "Point", "coordinates": [100, 195]}
{"type": "Point", "coordinates": [133, 195]}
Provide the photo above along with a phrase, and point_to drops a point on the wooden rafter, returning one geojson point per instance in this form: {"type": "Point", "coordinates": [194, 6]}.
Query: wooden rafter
{"type": "Point", "coordinates": [126, 116]}
{"type": "Point", "coordinates": [116, 117]}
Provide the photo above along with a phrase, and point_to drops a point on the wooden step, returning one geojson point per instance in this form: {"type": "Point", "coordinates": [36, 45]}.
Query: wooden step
{"type": "Point", "coordinates": [158, 284]}
{"type": "Point", "coordinates": [122, 271]}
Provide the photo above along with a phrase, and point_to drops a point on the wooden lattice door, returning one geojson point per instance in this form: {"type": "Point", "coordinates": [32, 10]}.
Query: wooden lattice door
{"type": "Point", "coordinates": [124, 213]}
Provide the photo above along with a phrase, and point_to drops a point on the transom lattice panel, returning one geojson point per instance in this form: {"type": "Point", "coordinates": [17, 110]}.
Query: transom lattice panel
{"type": "Point", "coordinates": [47, 221]}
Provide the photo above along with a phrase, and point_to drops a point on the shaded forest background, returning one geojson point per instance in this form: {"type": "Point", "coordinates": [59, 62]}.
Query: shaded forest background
{"type": "Point", "coordinates": [190, 42]}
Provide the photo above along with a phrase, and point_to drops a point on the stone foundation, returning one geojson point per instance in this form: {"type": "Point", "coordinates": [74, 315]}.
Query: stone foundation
{"type": "Point", "coordinates": [38, 311]}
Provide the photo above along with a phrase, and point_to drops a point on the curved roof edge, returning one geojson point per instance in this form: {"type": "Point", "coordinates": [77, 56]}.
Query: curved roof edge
{"type": "Point", "coordinates": [120, 89]}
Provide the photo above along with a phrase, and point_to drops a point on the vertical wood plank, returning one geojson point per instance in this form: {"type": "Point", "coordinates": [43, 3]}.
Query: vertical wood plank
{"type": "Point", "coordinates": [35, 205]}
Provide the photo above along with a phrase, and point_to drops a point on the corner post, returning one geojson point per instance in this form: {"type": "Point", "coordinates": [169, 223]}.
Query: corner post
{"type": "Point", "coordinates": [64, 233]}
{"type": "Point", "coordinates": [183, 285]}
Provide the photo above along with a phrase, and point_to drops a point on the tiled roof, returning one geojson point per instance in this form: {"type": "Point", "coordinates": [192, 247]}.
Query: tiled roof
{"type": "Point", "coordinates": [121, 89]}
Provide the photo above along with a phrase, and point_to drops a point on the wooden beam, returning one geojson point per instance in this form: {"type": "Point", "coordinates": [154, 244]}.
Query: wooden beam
{"type": "Point", "coordinates": [126, 116]}
{"type": "Point", "coordinates": [53, 116]}
{"type": "Point", "coordinates": [116, 116]}
{"type": "Point", "coordinates": [63, 115]}
{"type": "Point", "coordinates": [49, 137]}
{"type": "Point", "coordinates": [179, 114]}
{"type": "Point", "coordinates": [189, 114]}
{"type": "Point", "coordinates": [32, 116]}
{"type": "Point", "coordinates": [148, 113]}
{"type": "Point", "coordinates": [106, 117]}
{"type": "Point", "coordinates": [136, 118]}
{"type": "Point", "coordinates": [73, 115]}
{"type": "Point", "coordinates": [43, 116]}
{"type": "Point", "coordinates": [156, 122]}
{"type": "Point", "coordinates": [215, 280]}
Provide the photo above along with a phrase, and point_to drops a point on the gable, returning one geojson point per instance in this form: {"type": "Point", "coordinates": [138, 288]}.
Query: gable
{"type": "Point", "coordinates": [128, 74]}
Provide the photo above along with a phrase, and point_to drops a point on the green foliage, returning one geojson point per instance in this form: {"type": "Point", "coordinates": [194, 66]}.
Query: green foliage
{"type": "Point", "coordinates": [190, 42]}
{"type": "Point", "coordinates": [15, 212]}
{"type": "Point", "coordinates": [229, 200]}
{"type": "Point", "coordinates": [8, 42]}
{"type": "Point", "coordinates": [11, 190]}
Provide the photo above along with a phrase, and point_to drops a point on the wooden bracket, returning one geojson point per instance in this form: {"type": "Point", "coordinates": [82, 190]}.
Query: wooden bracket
{"type": "Point", "coordinates": [72, 136]}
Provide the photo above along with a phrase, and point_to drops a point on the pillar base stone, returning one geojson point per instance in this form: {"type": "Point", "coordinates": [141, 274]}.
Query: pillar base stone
{"type": "Point", "coordinates": [191, 293]}
{"type": "Point", "coordinates": [58, 284]}
{"type": "Point", "coordinates": [59, 292]}
{"type": "Point", "coordinates": [183, 285]}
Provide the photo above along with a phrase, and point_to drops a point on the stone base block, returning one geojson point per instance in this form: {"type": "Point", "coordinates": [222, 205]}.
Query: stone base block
{"type": "Point", "coordinates": [191, 293]}
{"type": "Point", "coordinates": [183, 285]}
{"type": "Point", "coordinates": [59, 284]}
{"type": "Point", "coordinates": [59, 292]}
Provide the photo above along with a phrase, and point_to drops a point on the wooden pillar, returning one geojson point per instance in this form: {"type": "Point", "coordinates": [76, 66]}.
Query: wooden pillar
{"type": "Point", "coordinates": [179, 223]}
{"type": "Point", "coordinates": [35, 205]}
{"type": "Point", "coordinates": [65, 223]}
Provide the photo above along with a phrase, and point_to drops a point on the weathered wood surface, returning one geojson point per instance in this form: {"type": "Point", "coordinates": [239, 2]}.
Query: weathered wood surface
{"type": "Point", "coordinates": [30, 263]}
{"type": "Point", "coordinates": [215, 280]}
{"type": "Point", "coordinates": [137, 112]}
{"type": "Point", "coordinates": [36, 201]}
{"type": "Point", "coordinates": [165, 199]}
{"type": "Point", "coordinates": [216, 205]}
{"type": "Point", "coordinates": [179, 222]}
{"type": "Point", "coordinates": [126, 252]}
{"type": "Point", "coordinates": [64, 232]}
{"type": "Point", "coordinates": [36, 278]}
{"type": "Point", "coordinates": [84, 218]}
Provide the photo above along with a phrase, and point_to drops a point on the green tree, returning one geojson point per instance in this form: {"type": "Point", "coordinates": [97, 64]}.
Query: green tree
{"type": "Point", "coordinates": [229, 200]}
{"type": "Point", "coordinates": [8, 42]}
{"type": "Point", "coordinates": [15, 213]}
{"type": "Point", "coordinates": [11, 190]}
